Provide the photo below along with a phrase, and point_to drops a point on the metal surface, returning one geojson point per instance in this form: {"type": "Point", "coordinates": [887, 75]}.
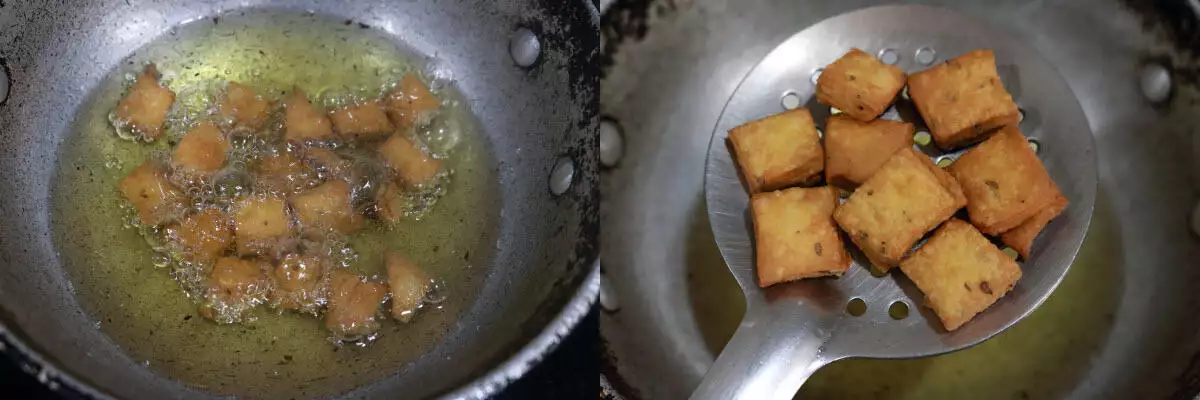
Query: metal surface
{"type": "Point", "coordinates": [795, 328]}
{"type": "Point", "coordinates": [562, 176]}
{"type": "Point", "coordinates": [668, 85]}
{"type": "Point", "coordinates": [525, 47]}
{"type": "Point", "coordinates": [1155, 81]}
{"type": "Point", "coordinates": [608, 300]}
{"type": "Point", "coordinates": [612, 144]}
{"type": "Point", "coordinates": [539, 280]}
{"type": "Point", "coordinates": [4, 84]}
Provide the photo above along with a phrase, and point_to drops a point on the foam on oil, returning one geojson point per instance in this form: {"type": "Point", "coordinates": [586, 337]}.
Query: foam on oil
{"type": "Point", "coordinates": [121, 280]}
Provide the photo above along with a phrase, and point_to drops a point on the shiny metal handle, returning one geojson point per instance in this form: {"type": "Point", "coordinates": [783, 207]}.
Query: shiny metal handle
{"type": "Point", "coordinates": [773, 352]}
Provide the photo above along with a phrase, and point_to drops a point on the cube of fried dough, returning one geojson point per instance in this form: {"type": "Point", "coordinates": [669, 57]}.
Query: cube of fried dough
{"type": "Point", "coordinates": [907, 197]}
{"type": "Point", "coordinates": [145, 107]}
{"type": "Point", "coordinates": [237, 277]}
{"type": "Point", "coordinates": [203, 236]}
{"type": "Point", "coordinates": [960, 272]}
{"type": "Point", "coordinates": [855, 149]}
{"type": "Point", "coordinates": [353, 304]}
{"type": "Point", "coordinates": [779, 151]}
{"type": "Point", "coordinates": [391, 203]}
{"type": "Point", "coordinates": [963, 99]}
{"type": "Point", "coordinates": [1021, 237]}
{"type": "Point", "coordinates": [260, 224]}
{"type": "Point", "coordinates": [409, 285]}
{"type": "Point", "coordinates": [235, 286]}
{"type": "Point", "coordinates": [795, 235]}
{"type": "Point", "coordinates": [244, 107]}
{"type": "Point", "coordinates": [298, 272]}
{"type": "Point", "coordinates": [326, 207]}
{"type": "Point", "coordinates": [410, 163]}
{"type": "Point", "coordinates": [155, 199]}
{"type": "Point", "coordinates": [296, 281]}
{"type": "Point", "coordinates": [328, 162]}
{"type": "Point", "coordinates": [202, 150]}
{"type": "Point", "coordinates": [1004, 181]}
{"type": "Point", "coordinates": [365, 121]}
{"type": "Point", "coordinates": [302, 121]}
{"type": "Point", "coordinates": [860, 85]}
{"type": "Point", "coordinates": [410, 102]}
{"type": "Point", "coordinates": [284, 172]}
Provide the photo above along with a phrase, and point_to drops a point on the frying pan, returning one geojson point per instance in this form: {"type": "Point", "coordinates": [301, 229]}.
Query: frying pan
{"type": "Point", "coordinates": [1122, 323]}
{"type": "Point", "coordinates": [539, 121]}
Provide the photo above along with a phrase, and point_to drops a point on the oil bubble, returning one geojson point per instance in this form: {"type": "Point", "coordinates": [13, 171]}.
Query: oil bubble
{"type": "Point", "coordinates": [437, 292]}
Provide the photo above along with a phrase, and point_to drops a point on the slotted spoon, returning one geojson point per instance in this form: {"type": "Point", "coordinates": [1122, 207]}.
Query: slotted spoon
{"type": "Point", "coordinates": [790, 330]}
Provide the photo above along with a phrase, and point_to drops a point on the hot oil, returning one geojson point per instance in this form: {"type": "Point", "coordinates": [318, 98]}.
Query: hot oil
{"type": "Point", "coordinates": [127, 286]}
{"type": "Point", "coordinates": [1043, 356]}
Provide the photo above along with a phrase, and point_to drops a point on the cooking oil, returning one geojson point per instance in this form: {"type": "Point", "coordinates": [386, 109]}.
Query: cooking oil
{"type": "Point", "coordinates": [1039, 357]}
{"type": "Point", "coordinates": [142, 294]}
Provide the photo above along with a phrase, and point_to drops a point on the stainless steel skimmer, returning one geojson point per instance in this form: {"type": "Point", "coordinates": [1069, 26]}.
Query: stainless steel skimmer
{"type": "Point", "coordinates": [791, 330]}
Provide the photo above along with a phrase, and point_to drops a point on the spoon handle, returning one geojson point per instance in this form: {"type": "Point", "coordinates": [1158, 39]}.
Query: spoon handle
{"type": "Point", "coordinates": [772, 353]}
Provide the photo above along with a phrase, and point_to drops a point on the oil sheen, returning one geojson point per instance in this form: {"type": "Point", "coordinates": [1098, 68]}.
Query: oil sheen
{"type": "Point", "coordinates": [128, 288]}
{"type": "Point", "coordinates": [1040, 357]}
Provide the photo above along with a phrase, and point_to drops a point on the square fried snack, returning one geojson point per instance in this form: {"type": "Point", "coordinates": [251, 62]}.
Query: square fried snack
{"type": "Point", "coordinates": [1021, 237]}
{"type": "Point", "coordinates": [146, 105]}
{"type": "Point", "coordinates": [860, 85]}
{"type": "Point", "coordinates": [202, 150]}
{"type": "Point", "coordinates": [960, 272]}
{"type": "Point", "coordinates": [366, 121]}
{"type": "Point", "coordinates": [1004, 181]}
{"type": "Point", "coordinates": [779, 151]}
{"type": "Point", "coordinates": [795, 235]}
{"type": "Point", "coordinates": [907, 197]}
{"type": "Point", "coordinates": [963, 99]}
{"type": "Point", "coordinates": [854, 150]}
{"type": "Point", "coordinates": [156, 200]}
{"type": "Point", "coordinates": [261, 224]}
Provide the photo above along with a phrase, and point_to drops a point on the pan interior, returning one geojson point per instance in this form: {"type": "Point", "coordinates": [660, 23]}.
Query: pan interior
{"type": "Point", "coordinates": [279, 355]}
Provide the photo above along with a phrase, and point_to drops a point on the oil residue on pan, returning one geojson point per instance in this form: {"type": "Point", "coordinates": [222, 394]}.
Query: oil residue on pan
{"type": "Point", "coordinates": [133, 298]}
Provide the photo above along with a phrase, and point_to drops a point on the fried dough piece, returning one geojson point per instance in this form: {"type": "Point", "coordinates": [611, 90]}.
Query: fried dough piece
{"type": "Point", "coordinates": [409, 285]}
{"type": "Point", "coordinates": [237, 277]}
{"type": "Point", "coordinates": [854, 150]}
{"type": "Point", "coordinates": [353, 304]}
{"type": "Point", "coordinates": [963, 99]}
{"type": "Point", "coordinates": [860, 85]}
{"type": "Point", "coordinates": [244, 107]}
{"type": "Point", "coordinates": [365, 121]}
{"type": "Point", "coordinates": [1004, 181]}
{"type": "Point", "coordinates": [203, 236]}
{"type": "Point", "coordinates": [410, 102]}
{"type": "Point", "coordinates": [297, 282]}
{"type": "Point", "coordinates": [778, 151]}
{"type": "Point", "coordinates": [795, 235]}
{"type": "Point", "coordinates": [302, 121]}
{"type": "Point", "coordinates": [146, 105]}
{"type": "Point", "coordinates": [907, 197]}
{"type": "Point", "coordinates": [326, 207]}
{"type": "Point", "coordinates": [411, 164]}
{"type": "Point", "coordinates": [960, 272]}
{"type": "Point", "coordinates": [1021, 237]}
{"type": "Point", "coordinates": [155, 199]}
{"type": "Point", "coordinates": [202, 151]}
{"type": "Point", "coordinates": [261, 224]}
{"type": "Point", "coordinates": [285, 173]}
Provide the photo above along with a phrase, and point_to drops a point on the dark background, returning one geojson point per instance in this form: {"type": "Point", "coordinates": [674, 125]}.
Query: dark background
{"type": "Point", "coordinates": [570, 372]}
